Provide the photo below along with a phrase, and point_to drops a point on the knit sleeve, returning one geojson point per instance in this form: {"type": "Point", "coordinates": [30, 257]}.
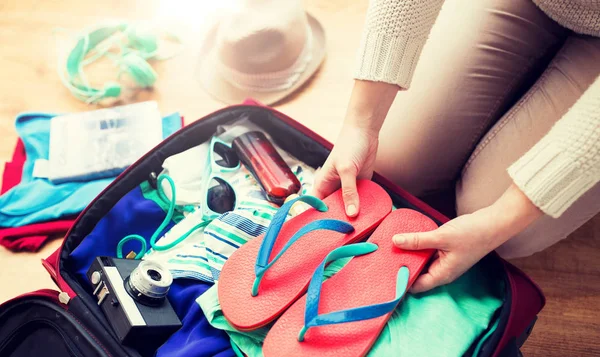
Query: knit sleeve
{"type": "Point", "coordinates": [393, 37]}
{"type": "Point", "coordinates": [566, 162]}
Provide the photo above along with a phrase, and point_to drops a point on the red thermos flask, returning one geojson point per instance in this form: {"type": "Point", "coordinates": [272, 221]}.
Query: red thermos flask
{"type": "Point", "coordinates": [259, 156]}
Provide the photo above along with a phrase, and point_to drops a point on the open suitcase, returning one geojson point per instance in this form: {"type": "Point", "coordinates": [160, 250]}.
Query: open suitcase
{"type": "Point", "coordinates": [68, 321]}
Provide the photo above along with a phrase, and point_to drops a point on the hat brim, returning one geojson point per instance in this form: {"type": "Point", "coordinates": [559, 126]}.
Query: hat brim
{"type": "Point", "coordinates": [222, 90]}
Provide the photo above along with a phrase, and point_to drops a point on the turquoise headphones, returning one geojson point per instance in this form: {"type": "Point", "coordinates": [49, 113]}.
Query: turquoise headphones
{"type": "Point", "coordinates": [135, 48]}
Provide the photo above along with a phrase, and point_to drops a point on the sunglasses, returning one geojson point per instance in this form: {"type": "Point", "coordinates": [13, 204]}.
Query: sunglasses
{"type": "Point", "coordinates": [218, 194]}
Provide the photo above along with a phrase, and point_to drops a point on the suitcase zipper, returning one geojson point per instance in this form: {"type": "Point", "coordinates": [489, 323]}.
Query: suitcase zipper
{"type": "Point", "coordinates": [64, 298]}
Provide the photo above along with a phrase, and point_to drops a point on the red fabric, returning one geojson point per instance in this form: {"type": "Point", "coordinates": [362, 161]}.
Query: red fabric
{"type": "Point", "coordinates": [30, 237]}
{"type": "Point", "coordinates": [13, 170]}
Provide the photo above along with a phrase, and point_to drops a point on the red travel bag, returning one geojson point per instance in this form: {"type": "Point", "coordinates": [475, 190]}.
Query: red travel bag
{"type": "Point", "coordinates": [68, 321]}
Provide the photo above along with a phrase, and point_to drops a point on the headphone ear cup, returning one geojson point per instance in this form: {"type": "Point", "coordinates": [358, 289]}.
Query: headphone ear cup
{"type": "Point", "coordinates": [139, 70]}
{"type": "Point", "coordinates": [146, 43]}
{"type": "Point", "coordinates": [111, 89]}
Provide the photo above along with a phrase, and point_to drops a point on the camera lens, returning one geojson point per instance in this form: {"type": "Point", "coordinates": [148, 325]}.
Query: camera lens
{"type": "Point", "coordinates": [154, 275]}
{"type": "Point", "coordinates": [149, 283]}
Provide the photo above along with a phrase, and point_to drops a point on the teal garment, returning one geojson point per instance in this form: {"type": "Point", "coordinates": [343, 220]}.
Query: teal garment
{"type": "Point", "coordinates": [250, 343]}
{"type": "Point", "coordinates": [445, 321]}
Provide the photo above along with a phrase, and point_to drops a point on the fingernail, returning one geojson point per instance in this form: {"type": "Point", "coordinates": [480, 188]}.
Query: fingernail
{"type": "Point", "coordinates": [399, 239]}
{"type": "Point", "coordinates": [351, 210]}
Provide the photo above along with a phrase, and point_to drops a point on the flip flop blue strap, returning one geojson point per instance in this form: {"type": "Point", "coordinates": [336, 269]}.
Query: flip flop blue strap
{"type": "Point", "coordinates": [313, 295]}
{"type": "Point", "coordinates": [264, 252]}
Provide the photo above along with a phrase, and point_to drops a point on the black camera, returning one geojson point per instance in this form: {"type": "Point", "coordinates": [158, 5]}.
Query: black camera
{"type": "Point", "coordinates": [133, 296]}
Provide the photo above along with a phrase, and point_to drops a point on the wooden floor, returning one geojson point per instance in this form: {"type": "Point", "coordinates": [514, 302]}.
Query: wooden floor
{"type": "Point", "coordinates": [569, 273]}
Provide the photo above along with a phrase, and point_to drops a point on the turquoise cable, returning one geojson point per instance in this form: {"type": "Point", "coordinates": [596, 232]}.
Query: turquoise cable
{"type": "Point", "coordinates": [163, 197]}
{"type": "Point", "coordinates": [162, 226]}
{"type": "Point", "coordinates": [178, 240]}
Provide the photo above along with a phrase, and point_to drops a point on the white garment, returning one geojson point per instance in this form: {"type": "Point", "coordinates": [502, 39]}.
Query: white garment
{"type": "Point", "coordinates": [186, 170]}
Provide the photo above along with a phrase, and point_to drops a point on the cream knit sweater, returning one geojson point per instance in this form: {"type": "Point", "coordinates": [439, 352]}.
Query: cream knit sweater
{"type": "Point", "coordinates": [559, 168]}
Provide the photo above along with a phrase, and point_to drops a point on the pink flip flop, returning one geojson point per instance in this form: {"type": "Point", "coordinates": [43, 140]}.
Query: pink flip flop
{"type": "Point", "coordinates": [255, 286]}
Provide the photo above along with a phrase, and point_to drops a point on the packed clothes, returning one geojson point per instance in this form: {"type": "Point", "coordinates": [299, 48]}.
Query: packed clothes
{"type": "Point", "coordinates": [202, 254]}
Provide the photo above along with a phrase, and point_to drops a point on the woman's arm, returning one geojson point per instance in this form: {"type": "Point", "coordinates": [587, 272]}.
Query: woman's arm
{"type": "Point", "coordinates": [547, 179]}
{"type": "Point", "coordinates": [565, 163]}
{"type": "Point", "coordinates": [356, 147]}
{"type": "Point", "coordinates": [463, 241]}
{"type": "Point", "coordinates": [369, 105]}
{"type": "Point", "coordinates": [394, 34]}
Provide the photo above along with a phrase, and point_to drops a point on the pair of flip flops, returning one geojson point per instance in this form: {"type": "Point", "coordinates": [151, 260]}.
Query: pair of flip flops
{"type": "Point", "coordinates": [279, 276]}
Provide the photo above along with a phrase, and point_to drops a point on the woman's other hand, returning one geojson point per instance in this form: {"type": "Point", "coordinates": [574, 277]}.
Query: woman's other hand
{"type": "Point", "coordinates": [356, 147]}
{"type": "Point", "coordinates": [463, 241]}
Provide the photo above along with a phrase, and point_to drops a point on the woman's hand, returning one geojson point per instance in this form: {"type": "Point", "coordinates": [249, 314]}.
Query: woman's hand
{"type": "Point", "coordinates": [463, 241]}
{"type": "Point", "coordinates": [356, 147]}
{"type": "Point", "coordinates": [352, 157]}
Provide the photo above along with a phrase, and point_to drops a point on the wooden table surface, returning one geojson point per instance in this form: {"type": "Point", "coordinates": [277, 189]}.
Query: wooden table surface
{"type": "Point", "coordinates": [568, 273]}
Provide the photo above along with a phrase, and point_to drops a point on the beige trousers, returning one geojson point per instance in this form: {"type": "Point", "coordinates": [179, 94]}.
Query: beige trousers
{"type": "Point", "coordinates": [493, 78]}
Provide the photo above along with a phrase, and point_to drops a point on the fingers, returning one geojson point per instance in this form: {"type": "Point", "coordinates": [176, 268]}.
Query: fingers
{"type": "Point", "coordinates": [424, 283]}
{"type": "Point", "coordinates": [349, 192]}
{"type": "Point", "coordinates": [326, 181]}
{"type": "Point", "coordinates": [419, 240]}
{"type": "Point", "coordinates": [329, 178]}
{"type": "Point", "coordinates": [437, 275]}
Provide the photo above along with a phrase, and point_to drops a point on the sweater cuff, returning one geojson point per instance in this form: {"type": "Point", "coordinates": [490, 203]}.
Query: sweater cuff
{"type": "Point", "coordinates": [550, 178]}
{"type": "Point", "coordinates": [387, 58]}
